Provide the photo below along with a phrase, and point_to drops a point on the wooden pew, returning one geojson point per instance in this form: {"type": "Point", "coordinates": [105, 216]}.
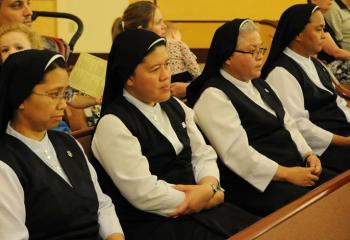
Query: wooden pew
{"type": "Point", "coordinates": [322, 214]}
{"type": "Point", "coordinates": [84, 137]}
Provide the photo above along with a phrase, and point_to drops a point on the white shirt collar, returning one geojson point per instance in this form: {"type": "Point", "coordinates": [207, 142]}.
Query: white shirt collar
{"type": "Point", "coordinates": [33, 144]}
{"type": "Point", "coordinates": [243, 86]}
{"type": "Point", "coordinates": [296, 56]}
{"type": "Point", "coordinates": [143, 107]}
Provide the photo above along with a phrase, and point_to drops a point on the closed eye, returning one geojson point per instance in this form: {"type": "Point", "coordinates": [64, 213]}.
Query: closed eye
{"type": "Point", "coordinates": [4, 50]}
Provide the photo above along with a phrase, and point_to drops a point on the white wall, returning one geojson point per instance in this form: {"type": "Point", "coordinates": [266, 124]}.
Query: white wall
{"type": "Point", "coordinates": [97, 17]}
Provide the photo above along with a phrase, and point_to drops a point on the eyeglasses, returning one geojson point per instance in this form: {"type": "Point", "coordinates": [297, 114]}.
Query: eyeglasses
{"type": "Point", "coordinates": [254, 53]}
{"type": "Point", "coordinates": [67, 95]}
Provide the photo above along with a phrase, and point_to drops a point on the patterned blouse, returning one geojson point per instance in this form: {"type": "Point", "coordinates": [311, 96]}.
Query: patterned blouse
{"type": "Point", "coordinates": [182, 59]}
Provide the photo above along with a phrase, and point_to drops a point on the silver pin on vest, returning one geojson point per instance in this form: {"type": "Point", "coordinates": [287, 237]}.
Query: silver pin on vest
{"type": "Point", "coordinates": [69, 153]}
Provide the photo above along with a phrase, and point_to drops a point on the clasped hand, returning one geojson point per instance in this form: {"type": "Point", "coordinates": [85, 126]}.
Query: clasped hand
{"type": "Point", "coordinates": [198, 197]}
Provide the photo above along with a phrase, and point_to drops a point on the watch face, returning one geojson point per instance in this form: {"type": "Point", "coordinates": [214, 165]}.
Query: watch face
{"type": "Point", "coordinates": [214, 187]}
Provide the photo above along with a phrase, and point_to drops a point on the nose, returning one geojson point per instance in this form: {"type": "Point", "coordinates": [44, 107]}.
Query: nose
{"type": "Point", "coordinates": [27, 11]}
{"type": "Point", "coordinates": [164, 26]}
{"type": "Point", "coordinates": [12, 50]}
{"type": "Point", "coordinates": [165, 73]}
{"type": "Point", "coordinates": [62, 104]}
{"type": "Point", "coordinates": [259, 56]}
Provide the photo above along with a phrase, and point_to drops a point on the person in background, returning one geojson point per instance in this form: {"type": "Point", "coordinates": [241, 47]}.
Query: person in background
{"type": "Point", "coordinates": [305, 87]}
{"type": "Point", "coordinates": [17, 37]}
{"type": "Point", "coordinates": [140, 15]}
{"type": "Point", "coordinates": [15, 11]}
{"type": "Point", "coordinates": [338, 18]}
{"type": "Point", "coordinates": [150, 156]}
{"type": "Point", "coordinates": [336, 58]}
{"type": "Point", "coordinates": [49, 190]}
{"type": "Point", "coordinates": [183, 64]}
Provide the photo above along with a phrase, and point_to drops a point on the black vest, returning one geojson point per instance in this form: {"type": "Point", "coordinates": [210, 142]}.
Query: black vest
{"type": "Point", "coordinates": [161, 156]}
{"type": "Point", "coordinates": [266, 133]}
{"type": "Point", "coordinates": [54, 210]}
{"type": "Point", "coordinates": [321, 104]}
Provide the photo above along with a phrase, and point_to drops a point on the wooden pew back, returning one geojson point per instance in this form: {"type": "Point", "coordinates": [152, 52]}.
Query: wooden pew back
{"type": "Point", "coordinates": [84, 137]}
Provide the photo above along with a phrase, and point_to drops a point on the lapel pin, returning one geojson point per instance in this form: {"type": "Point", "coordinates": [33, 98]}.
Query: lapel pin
{"type": "Point", "coordinates": [183, 125]}
{"type": "Point", "coordinates": [69, 153]}
{"type": "Point", "coordinates": [266, 90]}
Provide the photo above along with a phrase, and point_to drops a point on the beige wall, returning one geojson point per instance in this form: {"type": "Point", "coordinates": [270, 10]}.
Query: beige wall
{"type": "Point", "coordinates": [97, 17]}
{"type": "Point", "coordinates": [198, 35]}
{"type": "Point", "coordinates": [223, 9]}
{"type": "Point", "coordinates": [45, 26]}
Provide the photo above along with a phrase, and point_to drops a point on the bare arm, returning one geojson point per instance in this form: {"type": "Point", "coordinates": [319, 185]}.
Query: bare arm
{"type": "Point", "coordinates": [331, 48]}
{"type": "Point", "coordinates": [80, 101]}
{"type": "Point", "coordinates": [115, 236]}
{"type": "Point", "coordinates": [340, 140]}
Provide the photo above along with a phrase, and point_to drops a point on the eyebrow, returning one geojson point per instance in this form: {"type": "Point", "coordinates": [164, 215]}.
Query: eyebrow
{"type": "Point", "coordinates": [167, 60]}
{"type": "Point", "coordinates": [256, 45]}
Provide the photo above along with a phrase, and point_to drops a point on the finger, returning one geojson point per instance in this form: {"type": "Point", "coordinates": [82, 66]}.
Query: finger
{"type": "Point", "coordinates": [179, 210]}
{"type": "Point", "coordinates": [313, 177]}
{"type": "Point", "coordinates": [311, 162]}
{"type": "Point", "coordinates": [181, 187]}
{"type": "Point", "coordinates": [318, 170]}
{"type": "Point", "coordinates": [311, 183]}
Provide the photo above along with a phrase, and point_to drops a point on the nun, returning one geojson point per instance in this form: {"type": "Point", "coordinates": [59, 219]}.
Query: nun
{"type": "Point", "coordinates": [48, 188]}
{"type": "Point", "coordinates": [305, 87]}
{"type": "Point", "coordinates": [150, 157]}
{"type": "Point", "coordinates": [265, 161]}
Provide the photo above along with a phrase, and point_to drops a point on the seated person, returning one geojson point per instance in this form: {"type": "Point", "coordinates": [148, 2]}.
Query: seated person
{"type": "Point", "coordinates": [49, 190]}
{"type": "Point", "coordinates": [19, 37]}
{"type": "Point", "coordinates": [305, 87]}
{"type": "Point", "coordinates": [338, 18]}
{"type": "Point", "coordinates": [182, 62]}
{"type": "Point", "coordinates": [336, 58]}
{"type": "Point", "coordinates": [266, 163]}
{"type": "Point", "coordinates": [15, 12]}
{"type": "Point", "coordinates": [150, 157]}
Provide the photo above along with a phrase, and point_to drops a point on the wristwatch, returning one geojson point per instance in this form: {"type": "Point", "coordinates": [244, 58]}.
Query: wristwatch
{"type": "Point", "coordinates": [216, 188]}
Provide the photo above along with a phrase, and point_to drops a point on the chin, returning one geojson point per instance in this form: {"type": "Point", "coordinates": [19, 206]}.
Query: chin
{"type": "Point", "coordinates": [257, 75]}
{"type": "Point", "coordinates": [165, 98]}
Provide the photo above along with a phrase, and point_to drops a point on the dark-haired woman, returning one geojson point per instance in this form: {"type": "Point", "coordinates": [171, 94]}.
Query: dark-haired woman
{"type": "Point", "coordinates": [48, 188]}
{"type": "Point", "coordinates": [151, 157]}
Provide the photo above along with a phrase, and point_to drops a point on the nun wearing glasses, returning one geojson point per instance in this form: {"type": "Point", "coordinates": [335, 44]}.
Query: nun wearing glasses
{"type": "Point", "coordinates": [265, 161]}
{"type": "Point", "coordinates": [48, 188]}
{"type": "Point", "coordinates": [150, 156]}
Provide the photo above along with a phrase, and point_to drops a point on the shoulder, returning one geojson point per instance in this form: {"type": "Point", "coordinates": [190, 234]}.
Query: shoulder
{"type": "Point", "coordinates": [210, 96]}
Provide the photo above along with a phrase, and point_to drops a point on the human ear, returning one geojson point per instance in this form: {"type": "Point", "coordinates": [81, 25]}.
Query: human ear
{"type": "Point", "coordinates": [299, 37]}
{"type": "Point", "coordinates": [21, 106]}
{"type": "Point", "coordinates": [130, 81]}
{"type": "Point", "coordinates": [228, 62]}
